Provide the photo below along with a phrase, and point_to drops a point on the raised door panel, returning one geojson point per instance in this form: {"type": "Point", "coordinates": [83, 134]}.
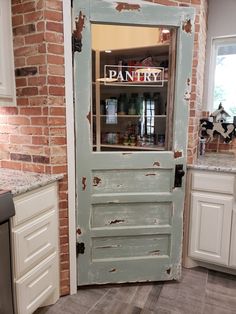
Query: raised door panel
{"type": "Point", "coordinates": [232, 262]}
{"type": "Point", "coordinates": [34, 203]}
{"type": "Point", "coordinates": [213, 182]}
{"type": "Point", "coordinates": [34, 241]}
{"type": "Point", "coordinates": [37, 286]}
{"type": "Point", "coordinates": [210, 227]}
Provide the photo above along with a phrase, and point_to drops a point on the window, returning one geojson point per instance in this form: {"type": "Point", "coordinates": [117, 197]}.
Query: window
{"type": "Point", "coordinates": [223, 72]}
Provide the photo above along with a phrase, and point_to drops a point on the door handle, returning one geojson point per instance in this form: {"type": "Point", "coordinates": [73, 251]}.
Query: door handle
{"type": "Point", "coordinates": [179, 173]}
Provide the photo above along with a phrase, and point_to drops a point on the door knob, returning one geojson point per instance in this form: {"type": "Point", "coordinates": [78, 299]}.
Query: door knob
{"type": "Point", "coordinates": [179, 173]}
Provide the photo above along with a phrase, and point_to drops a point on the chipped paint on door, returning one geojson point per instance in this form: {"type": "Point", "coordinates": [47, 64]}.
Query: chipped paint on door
{"type": "Point", "coordinates": [129, 213]}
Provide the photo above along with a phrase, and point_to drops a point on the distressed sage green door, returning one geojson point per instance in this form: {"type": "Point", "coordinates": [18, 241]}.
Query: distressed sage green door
{"type": "Point", "coordinates": [129, 205]}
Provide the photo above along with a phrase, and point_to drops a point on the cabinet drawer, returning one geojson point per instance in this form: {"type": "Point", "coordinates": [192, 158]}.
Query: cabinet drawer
{"type": "Point", "coordinates": [34, 241]}
{"type": "Point", "coordinates": [213, 182]}
{"type": "Point", "coordinates": [35, 288]}
{"type": "Point", "coordinates": [34, 203]}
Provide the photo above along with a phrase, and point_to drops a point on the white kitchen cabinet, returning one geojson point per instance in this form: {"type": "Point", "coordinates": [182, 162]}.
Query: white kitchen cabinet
{"type": "Point", "coordinates": [211, 220]}
{"type": "Point", "coordinates": [232, 262]}
{"type": "Point", "coordinates": [7, 77]}
{"type": "Point", "coordinates": [35, 249]}
{"type": "Point", "coordinates": [210, 227]}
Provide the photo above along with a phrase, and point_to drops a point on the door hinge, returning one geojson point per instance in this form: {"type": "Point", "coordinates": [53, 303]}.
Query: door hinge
{"type": "Point", "coordinates": [179, 173]}
{"type": "Point", "coordinates": [76, 43]}
{"type": "Point", "coordinates": [80, 248]}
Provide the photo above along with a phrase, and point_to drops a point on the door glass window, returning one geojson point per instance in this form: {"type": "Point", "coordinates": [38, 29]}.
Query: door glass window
{"type": "Point", "coordinates": [131, 69]}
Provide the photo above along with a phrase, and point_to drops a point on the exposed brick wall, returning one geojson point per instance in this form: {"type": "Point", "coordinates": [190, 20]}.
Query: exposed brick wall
{"type": "Point", "coordinates": [33, 134]}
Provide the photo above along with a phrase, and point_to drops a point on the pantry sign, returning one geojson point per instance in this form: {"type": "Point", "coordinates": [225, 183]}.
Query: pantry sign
{"type": "Point", "coordinates": [133, 75]}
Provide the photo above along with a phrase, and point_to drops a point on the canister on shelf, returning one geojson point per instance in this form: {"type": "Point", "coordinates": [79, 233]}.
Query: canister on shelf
{"type": "Point", "coordinates": [202, 146]}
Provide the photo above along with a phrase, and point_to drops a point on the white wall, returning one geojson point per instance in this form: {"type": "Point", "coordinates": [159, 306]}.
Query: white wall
{"type": "Point", "coordinates": [221, 22]}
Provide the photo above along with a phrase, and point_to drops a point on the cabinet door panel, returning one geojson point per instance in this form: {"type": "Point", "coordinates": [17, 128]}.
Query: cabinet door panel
{"type": "Point", "coordinates": [34, 241]}
{"type": "Point", "coordinates": [210, 227]}
{"type": "Point", "coordinates": [233, 242]}
{"type": "Point", "coordinates": [34, 288]}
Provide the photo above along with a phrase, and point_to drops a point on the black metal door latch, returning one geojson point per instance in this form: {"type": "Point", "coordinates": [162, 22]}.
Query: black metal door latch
{"type": "Point", "coordinates": [179, 173]}
{"type": "Point", "coordinates": [80, 248]}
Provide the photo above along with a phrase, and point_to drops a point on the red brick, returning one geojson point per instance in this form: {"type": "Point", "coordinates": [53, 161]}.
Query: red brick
{"type": "Point", "coordinates": [42, 48]}
{"type": "Point", "coordinates": [43, 69]}
{"type": "Point", "coordinates": [33, 168]}
{"type": "Point", "coordinates": [54, 38]}
{"type": "Point", "coordinates": [8, 110]}
{"type": "Point", "coordinates": [59, 160]}
{"type": "Point", "coordinates": [56, 70]}
{"type": "Point", "coordinates": [57, 91]}
{"type": "Point", "coordinates": [40, 140]}
{"type": "Point", "coordinates": [27, 91]}
{"type": "Point", "coordinates": [20, 139]}
{"type": "Point", "coordinates": [41, 159]}
{"type": "Point", "coordinates": [54, 27]}
{"type": "Point", "coordinates": [32, 149]}
{"type": "Point", "coordinates": [22, 101]}
{"type": "Point", "coordinates": [38, 101]}
{"type": "Point", "coordinates": [17, 20]}
{"type": "Point", "coordinates": [20, 62]}
{"type": "Point", "coordinates": [54, 5]}
{"type": "Point", "coordinates": [33, 17]}
{"type": "Point", "coordinates": [26, 51]}
{"type": "Point", "coordinates": [31, 111]}
{"type": "Point", "coordinates": [58, 131]}
{"type": "Point", "coordinates": [57, 111]}
{"type": "Point", "coordinates": [57, 121]}
{"type": "Point", "coordinates": [11, 165]}
{"type": "Point", "coordinates": [59, 169]}
{"type": "Point", "coordinates": [43, 90]}
{"type": "Point", "coordinates": [53, 15]}
{"type": "Point", "coordinates": [36, 60]}
{"type": "Point", "coordinates": [52, 59]}
{"type": "Point", "coordinates": [37, 81]}
{"type": "Point", "coordinates": [56, 80]}
{"type": "Point", "coordinates": [40, 26]}
{"type": "Point", "coordinates": [39, 121]}
{"type": "Point", "coordinates": [40, 4]}
{"type": "Point", "coordinates": [17, 9]}
{"type": "Point", "coordinates": [58, 140]}
{"type": "Point", "coordinates": [20, 82]}
{"type": "Point", "coordinates": [20, 157]}
{"type": "Point", "coordinates": [4, 138]}
{"type": "Point", "coordinates": [18, 41]}
{"type": "Point", "coordinates": [56, 49]}
{"type": "Point", "coordinates": [34, 39]}
{"type": "Point", "coordinates": [31, 130]}
{"type": "Point", "coordinates": [24, 29]}
{"type": "Point", "coordinates": [17, 120]}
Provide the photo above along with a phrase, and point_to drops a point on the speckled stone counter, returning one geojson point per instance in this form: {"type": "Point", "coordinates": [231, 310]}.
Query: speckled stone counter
{"type": "Point", "coordinates": [215, 162]}
{"type": "Point", "coordinates": [19, 182]}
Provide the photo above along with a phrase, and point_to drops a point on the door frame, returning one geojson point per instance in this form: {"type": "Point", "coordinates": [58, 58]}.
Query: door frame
{"type": "Point", "coordinates": [70, 121]}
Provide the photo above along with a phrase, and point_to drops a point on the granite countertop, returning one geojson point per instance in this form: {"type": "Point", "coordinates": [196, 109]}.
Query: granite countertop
{"type": "Point", "coordinates": [216, 162]}
{"type": "Point", "coordinates": [19, 182]}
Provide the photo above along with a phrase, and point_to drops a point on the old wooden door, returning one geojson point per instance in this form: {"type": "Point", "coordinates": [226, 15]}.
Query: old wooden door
{"type": "Point", "coordinates": [130, 197]}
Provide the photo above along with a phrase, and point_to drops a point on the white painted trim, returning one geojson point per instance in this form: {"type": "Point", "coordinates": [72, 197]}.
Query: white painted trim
{"type": "Point", "coordinates": [215, 43]}
{"type": "Point", "coordinates": [70, 143]}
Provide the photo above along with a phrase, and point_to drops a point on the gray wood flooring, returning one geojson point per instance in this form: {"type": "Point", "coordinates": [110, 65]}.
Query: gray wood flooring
{"type": "Point", "coordinates": [200, 291]}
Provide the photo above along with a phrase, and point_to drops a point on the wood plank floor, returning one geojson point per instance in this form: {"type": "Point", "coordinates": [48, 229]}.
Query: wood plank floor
{"type": "Point", "coordinates": [200, 291]}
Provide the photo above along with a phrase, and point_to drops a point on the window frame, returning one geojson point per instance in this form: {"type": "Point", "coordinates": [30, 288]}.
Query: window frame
{"type": "Point", "coordinates": [216, 43]}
